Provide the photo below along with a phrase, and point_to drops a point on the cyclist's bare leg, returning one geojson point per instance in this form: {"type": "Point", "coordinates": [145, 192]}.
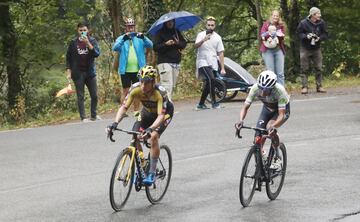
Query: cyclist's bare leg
{"type": "Point", "coordinates": [275, 137]}
{"type": "Point", "coordinates": [154, 151]}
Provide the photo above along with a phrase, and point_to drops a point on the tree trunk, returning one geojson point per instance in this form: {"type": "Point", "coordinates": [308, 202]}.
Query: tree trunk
{"type": "Point", "coordinates": [292, 18]}
{"type": "Point", "coordinates": [115, 11]}
{"type": "Point", "coordinates": [258, 19]}
{"type": "Point", "coordinates": [10, 54]}
{"type": "Point", "coordinates": [153, 10]}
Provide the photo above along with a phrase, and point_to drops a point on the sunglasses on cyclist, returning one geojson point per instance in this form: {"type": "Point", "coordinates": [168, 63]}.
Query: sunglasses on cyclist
{"type": "Point", "coordinates": [264, 89]}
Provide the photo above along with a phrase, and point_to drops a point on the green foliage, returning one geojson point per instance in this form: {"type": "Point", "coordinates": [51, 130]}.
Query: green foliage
{"type": "Point", "coordinates": [44, 29]}
{"type": "Point", "coordinates": [18, 113]}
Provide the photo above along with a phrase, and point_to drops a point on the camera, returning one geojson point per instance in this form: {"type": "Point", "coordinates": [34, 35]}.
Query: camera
{"type": "Point", "coordinates": [312, 37]}
{"type": "Point", "coordinates": [312, 41]}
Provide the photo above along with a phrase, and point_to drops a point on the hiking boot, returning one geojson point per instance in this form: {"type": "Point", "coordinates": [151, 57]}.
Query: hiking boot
{"type": "Point", "coordinates": [304, 90]}
{"type": "Point", "coordinates": [201, 107]}
{"type": "Point", "coordinates": [149, 180]}
{"type": "Point", "coordinates": [320, 90]}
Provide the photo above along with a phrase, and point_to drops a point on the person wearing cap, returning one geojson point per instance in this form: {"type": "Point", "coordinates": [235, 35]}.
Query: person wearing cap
{"type": "Point", "coordinates": [80, 67]}
{"type": "Point", "coordinates": [311, 31]}
{"type": "Point", "coordinates": [209, 47]}
{"type": "Point", "coordinates": [272, 46]}
{"type": "Point", "coordinates": [168, 44]}
{"type": "Point", "coordinates": [154, 117]}
{"type": "Point", "coordinates": [131, 49]}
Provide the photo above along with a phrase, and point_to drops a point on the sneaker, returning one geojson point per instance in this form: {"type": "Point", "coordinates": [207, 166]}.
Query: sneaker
{"type": "Point", "coordinates": [86, 120]}
{"type": "Point", "coordinates": [320, 90]}
{"type": "Point", "coordinates": [216, 106]}
{"type": "Point", "coordinates": [201, 107]}
{"type": "Point", "coordinates": [149, 180]}
{"type": "Point", "coordinates": [304, 90]}
{"type": "Point", "coordinates": [276, 164]}
{"type": "Point", "coordinates": [95, 118]}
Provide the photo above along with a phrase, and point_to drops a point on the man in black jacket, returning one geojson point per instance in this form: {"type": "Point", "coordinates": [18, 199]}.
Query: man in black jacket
{"type": "Point", "coordinates": [168, 44]}
{"type": "Point", "coordinates": [311, 31]}
{"type": "Point", "coordinates": [80, 67]}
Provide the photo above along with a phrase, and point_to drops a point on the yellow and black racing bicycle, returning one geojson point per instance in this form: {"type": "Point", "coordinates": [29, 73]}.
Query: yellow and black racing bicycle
{"type": "Point", "coordinates": [131, 169]}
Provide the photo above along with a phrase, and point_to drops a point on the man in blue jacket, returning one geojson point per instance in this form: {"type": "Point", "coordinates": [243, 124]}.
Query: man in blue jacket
{"type": "Point", "coordinates": [131, 48]}
{"type": "Point", "coordinates": [312, 31]}
{"type": "Point", "coordinates": [80, 67]}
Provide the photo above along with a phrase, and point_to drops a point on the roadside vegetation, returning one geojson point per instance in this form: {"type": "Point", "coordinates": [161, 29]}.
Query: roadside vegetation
{"type": "Point", "coordinates": [34, 35]}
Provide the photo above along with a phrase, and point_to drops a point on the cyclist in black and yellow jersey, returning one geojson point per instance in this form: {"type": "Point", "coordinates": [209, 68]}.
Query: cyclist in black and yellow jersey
{"type": "Point", "coordinates": [155, 116]}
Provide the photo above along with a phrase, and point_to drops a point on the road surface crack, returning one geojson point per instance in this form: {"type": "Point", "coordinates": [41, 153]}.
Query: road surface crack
{"type": "Point", "coordinates": [343, 216]}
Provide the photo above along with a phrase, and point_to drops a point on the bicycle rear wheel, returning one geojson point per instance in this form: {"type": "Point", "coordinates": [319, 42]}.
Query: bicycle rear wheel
{"type": "Point", "coordinates": [156, 192]}
{"type": "Point", "coordinates": [121, 180]}
{"type": "Point", "coordinates": [248, 178]}
{"type": "Point", "coordinates": [277, 177]}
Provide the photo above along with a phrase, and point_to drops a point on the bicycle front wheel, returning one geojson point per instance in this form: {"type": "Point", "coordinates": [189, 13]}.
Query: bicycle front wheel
{"type": "Point", "coordinates": [248, 178]}
{"type": "Point", "coordinates": [121, 180]}
{"type": "Point", "coordinates": [156, 192]}
{"type": "Point", "coordinates": [277, 177]}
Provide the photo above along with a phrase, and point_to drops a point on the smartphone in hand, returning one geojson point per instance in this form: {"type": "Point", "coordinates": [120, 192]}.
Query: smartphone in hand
{"type": "Point", "coordinates": [83, 34]}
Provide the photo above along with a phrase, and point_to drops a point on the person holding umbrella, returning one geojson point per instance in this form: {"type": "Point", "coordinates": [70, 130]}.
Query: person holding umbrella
{"type": "Point", "coordinates": [168, 43]}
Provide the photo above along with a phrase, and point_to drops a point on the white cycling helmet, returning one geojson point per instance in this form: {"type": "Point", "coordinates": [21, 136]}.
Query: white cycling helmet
{"type": "Point", "coordinates": [267, 79]}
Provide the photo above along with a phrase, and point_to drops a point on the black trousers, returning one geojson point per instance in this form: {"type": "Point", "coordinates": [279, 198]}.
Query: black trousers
{"type": "Point", "coordinates": [207, 74]}
{"type": "Point", "coordinates": [90, 83]}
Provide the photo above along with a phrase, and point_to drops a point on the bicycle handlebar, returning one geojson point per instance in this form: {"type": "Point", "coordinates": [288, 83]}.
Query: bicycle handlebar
{"type": "Point", "coordinates": [135, 133]}
{"type": "Point", "coordinates": [255, 128]}
{"type": "Point", "coordinates": [261, 130]}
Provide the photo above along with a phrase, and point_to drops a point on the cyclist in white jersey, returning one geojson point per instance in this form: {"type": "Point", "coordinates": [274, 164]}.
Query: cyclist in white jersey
{"type": "Point", "coordinates": [276, 100]}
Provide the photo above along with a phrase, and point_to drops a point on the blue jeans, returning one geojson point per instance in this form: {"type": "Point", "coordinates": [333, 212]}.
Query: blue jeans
{"type": "Point", "coordinates": [274, 60]}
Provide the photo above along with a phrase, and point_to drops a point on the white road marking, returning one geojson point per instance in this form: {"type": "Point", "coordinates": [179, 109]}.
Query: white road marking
{"type": "Point", "coordinates": [313, 99]}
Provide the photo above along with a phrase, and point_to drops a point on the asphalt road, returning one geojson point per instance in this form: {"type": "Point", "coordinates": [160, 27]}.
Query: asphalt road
{"type": "Point", "coordinates": [62, 173]}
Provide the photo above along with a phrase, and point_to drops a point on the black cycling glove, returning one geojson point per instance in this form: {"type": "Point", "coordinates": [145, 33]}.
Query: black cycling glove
{"type": "Point", "coordinates": [147, 132]}
{"type": "Point", "coordinates": [126, 37]}
{"type": "Point", "coordinates": [238, 127]}
{"type": "Point", "coordinates": [113, 126]}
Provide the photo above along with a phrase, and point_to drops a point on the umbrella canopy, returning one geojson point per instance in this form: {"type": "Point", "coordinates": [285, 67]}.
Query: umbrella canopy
{"type": "Point", "coordinates": [183, 21]}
